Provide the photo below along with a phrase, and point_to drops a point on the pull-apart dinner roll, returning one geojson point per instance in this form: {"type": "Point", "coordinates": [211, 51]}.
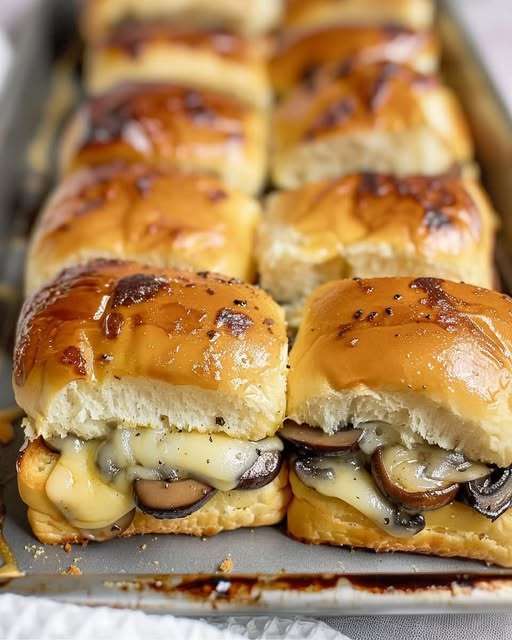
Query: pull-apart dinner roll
{"type": "Point", "coordinates": [374, 225]}
{"type": "Point", "coordinates": [299, 56]}
{"type": "Point", "coordinates": [418, 14]}
{"type": "Point", "coordinates": [173, 127]}
{"type": "Point", "coordinates": [399, 411]}
{"type": "Point", "coordinates": [136, 212]}
{"type": "Point", "coordinates": [211, 59]}
{"type": "Point", "coordinates": [381, 117]}
{"type": "Point", "coordinates": [152, 400]}
{"type": "Point", "coordinates": [244, 16]}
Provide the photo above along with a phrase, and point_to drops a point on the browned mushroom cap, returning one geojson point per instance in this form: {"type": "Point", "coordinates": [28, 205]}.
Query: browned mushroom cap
{"type": "Point", "coordinates": [263, 471]}
{"type": "Point", "coordinates": [168, 500]}
{"type": "Point", "coordinates": [388, 473]}
{"type": "Point", "coordinates": [315, 440]}
{"type": "Point", "coordinates": [491, 496]}
{"type": "Point", "coordinates": [111, 531]}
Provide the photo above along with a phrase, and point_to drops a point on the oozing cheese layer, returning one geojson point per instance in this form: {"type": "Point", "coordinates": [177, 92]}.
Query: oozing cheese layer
{"type": "Point", "coordinates": [79, 491]}
{"type": "Point", "coordinates": [349, 481]}
{"type": "Point", "coordinates": [89, 498]}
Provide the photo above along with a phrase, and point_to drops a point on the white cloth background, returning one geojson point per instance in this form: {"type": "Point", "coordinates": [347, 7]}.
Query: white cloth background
{"type": "Point", "coordinates": [490, 22]}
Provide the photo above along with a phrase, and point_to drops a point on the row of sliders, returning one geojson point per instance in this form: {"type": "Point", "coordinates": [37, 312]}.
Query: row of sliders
{"type": "Point", "coordinates": [159, 399]}
{"type": "Point", "coordinates": [393, 382]}
{"type": "Point", "coordinates": [254, 17]}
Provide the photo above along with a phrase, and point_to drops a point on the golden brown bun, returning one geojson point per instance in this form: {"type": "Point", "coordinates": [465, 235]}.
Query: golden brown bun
{"type": "Point", "coordinates": [298, 56]}
{"type": "Point", "coordinates": [455, 530]}
{"type": "Point", "coordinates": [214, 59]}
{"type": "Point", "coordinates": [374, 225]}
{"type": "Point", "coordinates": [378, 117]}
{"type": "Point", "coordinates": [249, 16]}
{"type": "Point", "coordinates": [136, 212]}
{"type": "Point", "coordinates": [225, 511]}
{"type": "Point", "coordinates": [430, 356]}
{"type": "Point", "coordinates": [173, 127]}
{"type": "Point", "coordinates": [417, 14]}
{"type": "Point", "coordinates": [120, 343]}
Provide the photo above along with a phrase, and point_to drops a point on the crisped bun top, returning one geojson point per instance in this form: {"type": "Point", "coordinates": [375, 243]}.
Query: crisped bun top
{"type": "Point", "coordinates": [172, 126]}
{"type": "Point", "coordinates": [192, 340]}
{"type": "Point", "coordinates": [442, 217]}
{"type": "Point", "coordinates": [133, 37]}
{"type": "Point", "coordinates": [138, 212]}
{"type": "Point", "coordinates": [382, 96]}
{"type": "Point", "coordinates": [300, 55]}
{"type": "Point", "coordinates": [432, 356]}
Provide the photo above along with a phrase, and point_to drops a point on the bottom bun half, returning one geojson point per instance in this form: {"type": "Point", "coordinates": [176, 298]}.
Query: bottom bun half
{"type": "Point", "coordinates": [225, 511]}
{"type": "Point", "coordinates": [453, 531]}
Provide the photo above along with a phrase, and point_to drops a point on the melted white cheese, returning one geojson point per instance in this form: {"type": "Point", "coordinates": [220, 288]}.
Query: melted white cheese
{"type": "Point", "coordinates": [78, 490]}
{"type": "Point", "coordinates": [215, 459]}
{"type": "Point", "coordinates": [350, 482]}
{"type": "Point", "coordinates": [89, 500]}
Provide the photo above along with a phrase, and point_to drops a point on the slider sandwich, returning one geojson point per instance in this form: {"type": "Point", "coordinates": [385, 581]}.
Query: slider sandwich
{"type": "Point", "coordinates": [379, 117]}
{"type": "Point", "coordinates": [373, 225]}
{"type": "Point", "coordinates": [400, 416]}
{"type": "Point", "coordinates": [173, 127]}
{"type": "Point", "coordinates": [138, 212]}
{"type": "Point", "coordinates": [152, 398]}
{"type": "Point", "coordinates": [243, 16]}
{"type": "Point", "coordinates": [213, 59]}
{"type": "Point", "coordinates": [300, 54]}
{"type": "Point", "coordinates": [418, 14]}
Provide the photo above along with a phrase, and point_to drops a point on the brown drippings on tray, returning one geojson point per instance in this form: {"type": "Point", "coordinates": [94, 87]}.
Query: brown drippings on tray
{"type": "Point", "coordinates": [7, 418]}
{"type": "Point", "coordinates": [9, 568]}
{"type": "Point", "coordinates": [248, 589]}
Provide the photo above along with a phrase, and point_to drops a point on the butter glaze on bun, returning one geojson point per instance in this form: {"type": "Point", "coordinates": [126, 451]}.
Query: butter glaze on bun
{"type": "Point", "coordinates": [299, 55]}
{"type": "Point", "coordinates": [206, 59]}
{"type": "Point", "coordinates": [248, 16]}
{"type": "Point", "coordinates": [136, 212]}
{"type": "Point", "coordinates": [378, 117]}
{"type": "Point", "coordinates": [418, 14]}
{"type": "Point", "coordinates": [431, 357]}
{"type": "Point", "coordinates": [172, 127]}
{"type": "Point", "coordinates": [373, 225]}
{"type": "Point", "coordinates": [118, 343]}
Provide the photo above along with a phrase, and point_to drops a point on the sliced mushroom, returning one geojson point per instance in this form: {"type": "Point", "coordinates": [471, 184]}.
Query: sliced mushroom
{"type": "Point", "coordinates": [168, 500]}
{"type": "Point", "coordinates": [263, 471]}
{"type": "Point", "coordinates": [112, 531]}
{"type": "Point", "coordinates": [397, 473]}
{"type": "Point", "coordinates": [315, 440]}
{"type": "Point", "coordinates": [490, 496]}
{"type": "Point", "coordinates": [344, 477]}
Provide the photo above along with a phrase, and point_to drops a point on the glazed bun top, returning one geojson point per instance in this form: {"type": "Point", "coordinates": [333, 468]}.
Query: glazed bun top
{"type": "Point", "coordinates": [243, 16]}
{"type": "Point", "coordinates": [429, 356]}
{"type": "Point", "coordinates": [418, 14]}
{"type": "Point", "coordinates": [132, 38]}
{"type": "Point", "coordinates": [299, 56]}
{"type": "Point", "coordinates": [139, 212]}
{"type": "Point", "coordinates": [172, 126]}
{"type": "Point", "coordinates": [382, 96]}
{"type": "Point", "coordinates": [115, 342]}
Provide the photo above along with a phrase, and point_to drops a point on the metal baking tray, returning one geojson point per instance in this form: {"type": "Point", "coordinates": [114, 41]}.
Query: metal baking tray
{"type": "Point", "coordinates": [271, 573]}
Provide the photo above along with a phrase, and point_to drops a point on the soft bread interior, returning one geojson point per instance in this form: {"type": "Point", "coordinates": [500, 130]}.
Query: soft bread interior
{"type": "Point", "coordinates": [225, 511]}
{"type": "Point", "coordinates": [178, 65]}
{"type": "Point", "coordinates": [90, 409]}
{"type": "Point", "coordinates": [290, 274]}
{"type": "Point", "coordinates": [415, 151]}
{"type": "Point", "coordinates": [417, 417]}
{"type": "Point", "coordinates": [454, 530]}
